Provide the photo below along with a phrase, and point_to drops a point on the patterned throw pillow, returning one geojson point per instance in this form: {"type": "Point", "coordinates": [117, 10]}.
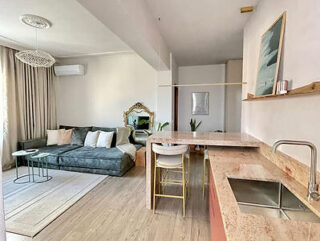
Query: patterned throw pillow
{"type": "Point", "coordinates": [79, 135]}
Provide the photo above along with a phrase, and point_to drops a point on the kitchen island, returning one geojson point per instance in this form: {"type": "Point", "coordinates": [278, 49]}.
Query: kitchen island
{"type": "Point", "coordinates": [227, 220]}
{"type": "Point", "coordinates": [192, 138]}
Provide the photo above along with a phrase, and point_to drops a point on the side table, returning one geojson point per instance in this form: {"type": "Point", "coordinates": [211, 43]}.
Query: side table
{"type": "Point", "coordinates": [41, 159]}
{"type": "Point", "coordinates": [141, 157]}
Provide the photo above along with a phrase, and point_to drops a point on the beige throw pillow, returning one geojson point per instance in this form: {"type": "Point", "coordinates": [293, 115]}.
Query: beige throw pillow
{"type": "Point", "coordinates": [65, 137]}
{"type": "Point", "coordinates": [53, 137]}
{"type": "Point", "coordinates": [123, 134]}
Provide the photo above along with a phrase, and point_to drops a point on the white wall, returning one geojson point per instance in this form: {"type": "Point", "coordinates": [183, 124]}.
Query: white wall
{"type": "Point", "coordinates": [202, 74]}
{"type": "Point", "coordinates": [295, 118]}
{"type": "Point", "coordinates": [233, 96]}
{"type": "Point", "coordinates": [164, 99]}
{"type": "Point", "coordinates": [111, 85]}
{"type": "Point", "coordinates": [134, 23]}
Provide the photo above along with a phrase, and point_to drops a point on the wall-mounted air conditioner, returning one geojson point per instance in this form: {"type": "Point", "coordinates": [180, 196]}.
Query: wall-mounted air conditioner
{"type": "Point", "coordinates": [66, 70]}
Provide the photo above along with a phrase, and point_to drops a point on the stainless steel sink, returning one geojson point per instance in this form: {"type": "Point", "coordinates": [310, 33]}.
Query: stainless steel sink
{"type": "Point", "coordinates": [271, 199]}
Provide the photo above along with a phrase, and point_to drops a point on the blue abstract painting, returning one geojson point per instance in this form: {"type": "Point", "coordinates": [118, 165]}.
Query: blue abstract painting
{"type": "Point", "coordinates": [269, 58]}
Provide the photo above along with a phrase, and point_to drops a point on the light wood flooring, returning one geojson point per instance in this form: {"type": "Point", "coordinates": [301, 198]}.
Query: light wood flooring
{"type": "Point", "coordinates": [115, 210]}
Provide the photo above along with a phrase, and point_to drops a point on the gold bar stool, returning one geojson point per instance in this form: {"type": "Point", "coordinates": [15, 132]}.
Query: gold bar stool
{"type": "Point", "coordinates": [205, 159]}
{"type": "Point", "coordinates": [169, 157]}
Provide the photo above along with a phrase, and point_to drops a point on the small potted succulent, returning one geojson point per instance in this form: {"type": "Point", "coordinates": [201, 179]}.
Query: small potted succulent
{"type": "Point", "coordinates": [194, 126]}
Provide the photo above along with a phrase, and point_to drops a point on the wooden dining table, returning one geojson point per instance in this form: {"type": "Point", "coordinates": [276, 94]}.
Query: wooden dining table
{"type": "Point", "coordinates": [191, 138]}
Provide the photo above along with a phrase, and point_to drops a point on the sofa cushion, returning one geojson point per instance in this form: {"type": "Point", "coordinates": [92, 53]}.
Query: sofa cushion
{"type": "Point", "coordinates": [107, 129]}
{"type": "Point", "coordinates": [55, 151]}
{"type": "Point", "coordinates": [79, 135]}
{"type": "Point", "coordinates": [99, 157]}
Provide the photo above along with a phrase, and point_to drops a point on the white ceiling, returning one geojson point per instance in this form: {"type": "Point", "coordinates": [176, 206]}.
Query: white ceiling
{"type": "Point", "coordinates": [204, 31]}
{"type": "Point", "coordinates": [74, 30]}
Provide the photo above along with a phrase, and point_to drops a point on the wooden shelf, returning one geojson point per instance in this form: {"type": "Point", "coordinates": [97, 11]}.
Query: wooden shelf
{"type": "Point", "coordinates": [310, 89]}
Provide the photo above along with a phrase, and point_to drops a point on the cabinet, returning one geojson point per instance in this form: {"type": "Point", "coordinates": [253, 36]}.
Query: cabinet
{"type": "Point", "coordinates": [216, 223]}
{"type": "Point", "coordinates": [141, 157]}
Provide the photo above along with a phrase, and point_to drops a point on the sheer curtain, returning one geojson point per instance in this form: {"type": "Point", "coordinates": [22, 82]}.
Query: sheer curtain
{"type": "Point", "coordinates": [28, 108]}
{"type": "Point", "coordinates": [2, 224]}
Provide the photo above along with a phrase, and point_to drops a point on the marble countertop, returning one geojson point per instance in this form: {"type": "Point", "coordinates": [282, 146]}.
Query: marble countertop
{"type": "Point", "coordinates": [204, 138]}
{"type": "Point", "coordinates": [249, 164]}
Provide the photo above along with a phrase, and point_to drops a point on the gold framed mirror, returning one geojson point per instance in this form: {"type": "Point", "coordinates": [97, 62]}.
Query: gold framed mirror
{"type": "Point", "coordinates": [136, 114]}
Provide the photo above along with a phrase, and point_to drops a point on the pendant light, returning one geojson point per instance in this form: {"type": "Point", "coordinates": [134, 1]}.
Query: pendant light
{"type": "Point", "coordinates": [35, 58]}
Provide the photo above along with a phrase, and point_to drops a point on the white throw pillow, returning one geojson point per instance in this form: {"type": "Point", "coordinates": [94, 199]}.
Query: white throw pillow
{"type": "Point", "coordinates": [91, 138]}
{"type": "Point", "coordinates": [105, 139]}
{"type": "Point", "coordinates": [53, 137]}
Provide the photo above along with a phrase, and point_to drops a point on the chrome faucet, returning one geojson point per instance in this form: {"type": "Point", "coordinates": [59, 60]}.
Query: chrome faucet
{"type": "Point", "coordinates": [312, 185]}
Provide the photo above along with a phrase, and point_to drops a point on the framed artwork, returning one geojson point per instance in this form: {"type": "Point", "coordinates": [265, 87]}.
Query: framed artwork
{"type": "Point", "coordinates": [200, 103]}
{"type": "Point", "coordinates": [269, 58]}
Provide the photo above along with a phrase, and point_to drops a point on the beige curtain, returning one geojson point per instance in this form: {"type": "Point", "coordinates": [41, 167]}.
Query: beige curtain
{"type": "Point", "coordinates": [29, 102]}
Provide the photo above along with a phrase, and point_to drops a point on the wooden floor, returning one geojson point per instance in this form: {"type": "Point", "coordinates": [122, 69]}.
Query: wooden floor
{"type": "Point", "coordinates": [115, 210]}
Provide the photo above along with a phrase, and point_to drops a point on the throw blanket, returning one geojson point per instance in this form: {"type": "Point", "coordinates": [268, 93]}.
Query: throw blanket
{"type": "Point", "coordinates": [130, 149]}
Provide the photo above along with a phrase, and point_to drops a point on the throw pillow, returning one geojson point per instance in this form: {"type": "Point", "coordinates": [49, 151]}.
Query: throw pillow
{"type": "Point", "coordinates": [79, 135]}
{"type": "Point", "coordinates": [123, 134]}
{"type": "Point", "coordinates": [65, 137]}
{"type": "Point", "coordinates": [108, 129]}
{"type": "Point", "coordinates": [91, 138]}
{"type": "Point", "coordinates": [53, 137]}
{"type": "Point", "coordinates": [105, 139]}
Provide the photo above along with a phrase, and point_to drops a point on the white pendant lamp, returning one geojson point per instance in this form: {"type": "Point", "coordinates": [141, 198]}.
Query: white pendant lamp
{"type": "Point", "coordinates": [35, 58]}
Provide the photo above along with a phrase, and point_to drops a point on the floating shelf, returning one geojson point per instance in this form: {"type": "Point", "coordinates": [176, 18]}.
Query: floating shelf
{"type": "Point", "coordinates": [310, 89]}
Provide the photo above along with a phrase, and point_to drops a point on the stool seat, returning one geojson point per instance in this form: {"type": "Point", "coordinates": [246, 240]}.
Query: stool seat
{"type": "Point", "coordinates": [169, 161]}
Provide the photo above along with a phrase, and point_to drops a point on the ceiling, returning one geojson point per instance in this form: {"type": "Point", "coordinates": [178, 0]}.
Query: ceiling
{"type": "Point", "coordinates": [74, 30]}
{"type": "Point", "coordinates": [202, 32]}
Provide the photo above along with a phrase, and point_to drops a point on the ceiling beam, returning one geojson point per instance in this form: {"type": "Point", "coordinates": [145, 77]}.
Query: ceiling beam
{"type": "Point", "coordinates": [134, 24]}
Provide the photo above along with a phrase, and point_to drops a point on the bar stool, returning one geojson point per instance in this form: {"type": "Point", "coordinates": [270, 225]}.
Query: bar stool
{"type": "Point", "coordinates": [168, 158]}
{"type": "Point", "coordinates": [205, 159]}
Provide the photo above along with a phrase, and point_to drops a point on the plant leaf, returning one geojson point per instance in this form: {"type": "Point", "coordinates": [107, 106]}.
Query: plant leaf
{"type": "Point", "coordinates": [198, 124]}
{"type": "Point", "coordinates": [164, 125]}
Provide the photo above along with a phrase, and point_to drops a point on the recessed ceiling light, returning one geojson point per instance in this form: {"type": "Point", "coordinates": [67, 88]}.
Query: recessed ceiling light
{"type": "Point", "coordinates": [35, 21]}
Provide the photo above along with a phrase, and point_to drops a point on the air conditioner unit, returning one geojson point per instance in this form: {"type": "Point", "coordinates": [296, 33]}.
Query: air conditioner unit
{"type": "Point", "coordinates": [66, 70]}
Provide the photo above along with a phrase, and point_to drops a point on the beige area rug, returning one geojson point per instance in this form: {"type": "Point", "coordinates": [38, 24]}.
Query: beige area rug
{"type": "Point", "coordinates": [30, 207]}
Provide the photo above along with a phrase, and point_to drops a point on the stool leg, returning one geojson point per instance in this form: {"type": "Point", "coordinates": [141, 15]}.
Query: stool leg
{"type": "Point", "coordinates": [159, 184]}
{"type": "Point", "coordinates": [184, 187]}
{"type": "Point", "coordinates": [189, 177]}
{"type": "Point", "coordinates": [154, 187]}
{"type": "Point", "coordinates": [203, 176]}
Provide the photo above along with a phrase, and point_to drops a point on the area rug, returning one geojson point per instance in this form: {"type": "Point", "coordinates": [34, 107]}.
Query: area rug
{"type": "Point", "coordinates": [30, 207]}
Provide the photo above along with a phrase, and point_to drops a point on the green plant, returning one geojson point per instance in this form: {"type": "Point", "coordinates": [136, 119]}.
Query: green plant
{"type": "Point", "coordinates": [149, 133]}
{"type": "Point", "coordinates": [193, 124]}
{"type": "Point", "coordinates": [142, 122]}
{"type": "Point", "coordinates": [161, 126]}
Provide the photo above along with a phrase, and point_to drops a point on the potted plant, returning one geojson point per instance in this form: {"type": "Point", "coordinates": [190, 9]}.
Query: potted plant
{"type": "Point", "coordinates": [149, 132]}
{"type": "Point", "coordinates": [194, 126]}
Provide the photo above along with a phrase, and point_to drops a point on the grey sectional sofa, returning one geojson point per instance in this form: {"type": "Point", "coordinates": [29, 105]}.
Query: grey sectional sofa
{"type": "Point", "coordinates": [81, 158]}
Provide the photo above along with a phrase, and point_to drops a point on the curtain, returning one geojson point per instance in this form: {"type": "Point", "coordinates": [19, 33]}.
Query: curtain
{"type": "Point", "coordinates": [2, 223]}
{"type": "Point", "coordinates": [28, 98]}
